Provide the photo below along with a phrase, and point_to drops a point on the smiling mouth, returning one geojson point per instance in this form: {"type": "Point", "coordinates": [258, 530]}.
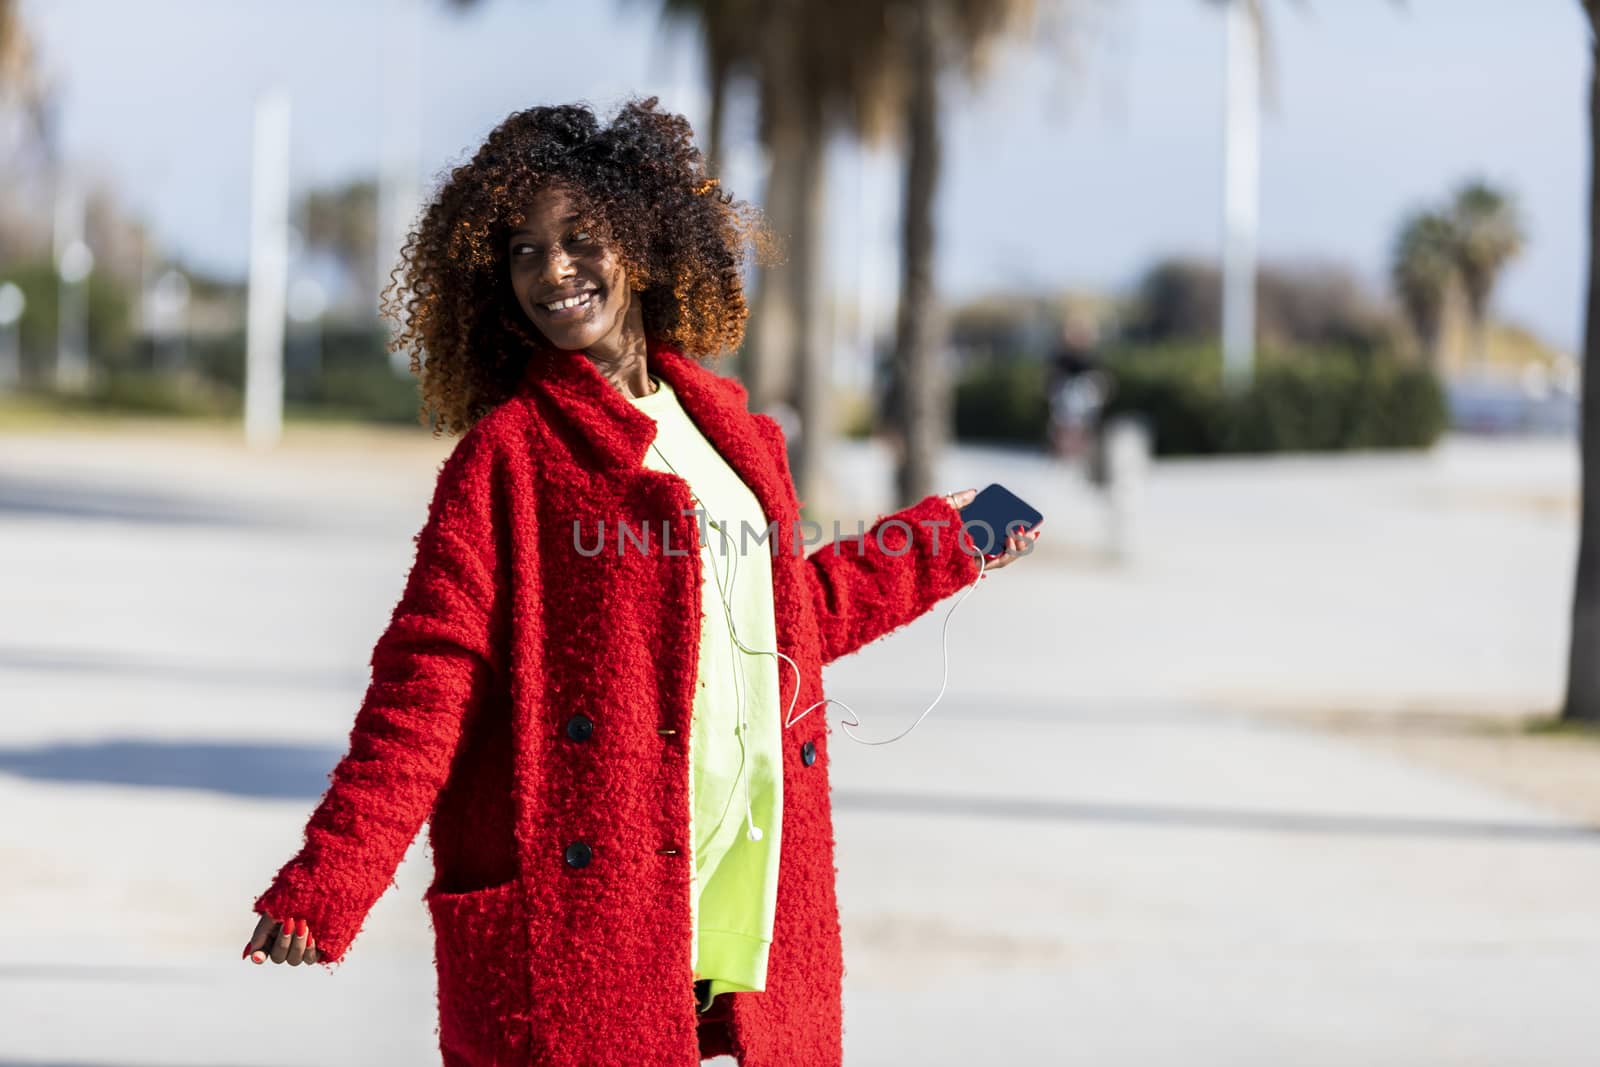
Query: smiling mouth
{"type": "Point", "coordinates": [572, 307]}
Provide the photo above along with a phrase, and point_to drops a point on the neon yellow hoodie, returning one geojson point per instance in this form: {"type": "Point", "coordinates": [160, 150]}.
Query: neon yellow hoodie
{"type": "Point", "coordinates": [736, 879]}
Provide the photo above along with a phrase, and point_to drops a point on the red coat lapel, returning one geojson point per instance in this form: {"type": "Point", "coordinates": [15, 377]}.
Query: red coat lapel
{"type": "Point", "coordinates": [618, 434]}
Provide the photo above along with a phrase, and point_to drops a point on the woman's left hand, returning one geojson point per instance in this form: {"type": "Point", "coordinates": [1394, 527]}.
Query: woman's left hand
{"type": "Point", "coordinates": [1017, 545]}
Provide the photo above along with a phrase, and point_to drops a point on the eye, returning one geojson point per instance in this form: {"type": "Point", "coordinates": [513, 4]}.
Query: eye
{"type": "Point", "coordinates": [581, 237]}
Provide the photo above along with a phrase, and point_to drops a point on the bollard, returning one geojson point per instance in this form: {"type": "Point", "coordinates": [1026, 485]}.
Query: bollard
{"type": "Point", "coordinates": [1126, 446]}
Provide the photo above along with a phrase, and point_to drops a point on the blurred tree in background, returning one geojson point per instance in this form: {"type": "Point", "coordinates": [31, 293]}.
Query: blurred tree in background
{"type": "Point", "coordinates": [25, 144]}
{"type": "Point", "coordinates": [931, 38]}
{"type": "Point", "coordinates": [1582, 701]}
{"type": "Point", "coordinates": [1307, 304]}
{"type": "Point", "coordinates": [1488, 235]}
{"type": "Point", "coordinates": [342, 221]}
{"type": "Point", "coordinates": [870, 69]}
{"type": "Point", "coordinates": [1460, 247]}
{"type": "Point", "coordinates": [1423, 270]}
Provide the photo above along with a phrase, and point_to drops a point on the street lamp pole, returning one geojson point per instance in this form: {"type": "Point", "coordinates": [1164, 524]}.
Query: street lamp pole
{"type": "Point", "coordinates": [269, 270]}
{"type": "Point", "coordinates": [1241, 191]}
{"type": "Point", "coordinates": [73, 261]}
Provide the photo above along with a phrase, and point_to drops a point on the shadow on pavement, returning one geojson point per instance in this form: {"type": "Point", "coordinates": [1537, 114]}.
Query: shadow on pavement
{"type": "Point", "coordinates": [1169, 816]}
{"type": "Point", "coordinates": [81, 502]}
{"type": "Point", "coordinates": [279, 771]}
{"type": "Point", "coordinates": [268, 770]}
{"type": "Point", "coordinates": [252, 675]}
{"type": "Point", "coordinates": [78, 972]}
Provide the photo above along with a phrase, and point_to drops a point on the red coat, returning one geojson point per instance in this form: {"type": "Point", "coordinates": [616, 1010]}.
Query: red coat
{"type": "Point", "coordinates": [533, 705]}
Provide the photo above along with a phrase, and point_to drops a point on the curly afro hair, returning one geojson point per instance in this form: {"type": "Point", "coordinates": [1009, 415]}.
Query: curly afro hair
{"type": "Point", "coordinates": [639, 181]}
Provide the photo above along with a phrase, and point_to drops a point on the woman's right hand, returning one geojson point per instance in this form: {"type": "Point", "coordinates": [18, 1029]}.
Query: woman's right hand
{"type": "Point", "coordinates": [281, 942]}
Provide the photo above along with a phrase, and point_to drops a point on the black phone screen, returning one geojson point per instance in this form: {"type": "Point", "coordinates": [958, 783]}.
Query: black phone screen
{"type": "Point", "coordinates": [995, 513]}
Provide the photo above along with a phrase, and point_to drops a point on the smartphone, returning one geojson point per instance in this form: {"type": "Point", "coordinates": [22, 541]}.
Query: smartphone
{"type": "Point", "coordinates": [994, 514]}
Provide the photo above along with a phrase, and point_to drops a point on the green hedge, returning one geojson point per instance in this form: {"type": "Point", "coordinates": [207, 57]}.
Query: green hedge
{"type": "Point", "coordinates": [1307, 401]}
{"type": "Point", "coordinates": [1002, 402]}
{"type": "Point", "coordinates": [343, 374]}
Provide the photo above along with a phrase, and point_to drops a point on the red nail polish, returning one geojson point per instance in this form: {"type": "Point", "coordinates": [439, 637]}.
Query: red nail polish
{"type": "Point", "coordinates": [258, 957]}
{"type": "Point", "coordinates": [304, 926]}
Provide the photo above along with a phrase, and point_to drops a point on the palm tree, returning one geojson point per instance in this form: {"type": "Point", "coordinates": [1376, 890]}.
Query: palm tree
{"type": "Point", "coordinates": [729, 32]}
{"type": "Point", "coordinates": [20, 78]}
{"type": "Point", "coordinates": [930, 37]}
{"type": "Point", "coordinates": [1423, 269]}
{"type": "Point", "coordinates": [871, 70]}
{"type": "Point", "coordinates": [1582, 703]}
{"type": "Point", "coordinates": [1488, 235]}
{"type": "Point", "coordinates": [343, 221]}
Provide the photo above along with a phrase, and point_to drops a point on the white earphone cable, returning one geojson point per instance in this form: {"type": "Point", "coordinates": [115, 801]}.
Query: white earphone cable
{"type": "Point", "coordinates": [724, 596]}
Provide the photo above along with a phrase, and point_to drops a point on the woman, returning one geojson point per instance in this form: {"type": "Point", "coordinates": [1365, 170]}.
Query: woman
{"type": "Point", "coordinates": [533, 694]}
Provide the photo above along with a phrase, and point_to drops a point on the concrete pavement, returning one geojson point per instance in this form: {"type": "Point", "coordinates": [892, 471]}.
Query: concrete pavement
{"type": "Point", "coordinates": [1087, 854]}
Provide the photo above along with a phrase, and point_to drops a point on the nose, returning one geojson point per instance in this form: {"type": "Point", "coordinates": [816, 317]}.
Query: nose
{"type": "Point", "coordinates": [556, 268]}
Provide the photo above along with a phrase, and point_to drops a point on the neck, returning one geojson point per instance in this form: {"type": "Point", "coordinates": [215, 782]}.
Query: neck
{"type": "Point", "coordinates": [621, 357]}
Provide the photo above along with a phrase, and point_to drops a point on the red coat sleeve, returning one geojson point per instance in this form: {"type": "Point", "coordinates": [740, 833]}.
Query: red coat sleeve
{"type": "Point", "coordinates": [868, 586]}
{"type": "Point", "coordinates": [864, 587]}
{"type": "Point", "coordinates": [431, 668]}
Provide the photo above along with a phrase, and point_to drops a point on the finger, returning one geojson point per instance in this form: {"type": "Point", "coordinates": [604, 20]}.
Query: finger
{"type": "Point", "coordinates": [264, 953]}
{"type": "Point", "coordinates": [311, 948]}
{"type": "Point", "coordinates": [297, 945]}
{"type": "Point", "coordinates": [258, 937]}
{"type": "Point", "coordinates": [280, 947]}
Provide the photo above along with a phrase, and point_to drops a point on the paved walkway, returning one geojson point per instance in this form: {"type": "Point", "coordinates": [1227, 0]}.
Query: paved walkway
{"type": "Point", "coordinates": [1101, 849]}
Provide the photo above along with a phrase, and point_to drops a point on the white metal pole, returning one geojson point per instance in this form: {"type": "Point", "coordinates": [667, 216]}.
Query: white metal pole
{"type": "Point", "coordinates": [400, 149]}
{"type": "Point", "coordinates": [861, 344]}
{"type": "Point", "coordinates": [73, 261]}
{"type": "Point", "coordinates": [269, 270]}
{"type": "Point", "coordinates": [12, 305]}
{"type": "Point", "coordinates": [1241, 191]}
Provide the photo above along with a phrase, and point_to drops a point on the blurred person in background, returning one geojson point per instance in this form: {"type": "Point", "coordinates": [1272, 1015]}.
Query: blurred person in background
{"type": "Point", "coordinates": [605, 883]}
{"type": "Point", "coordinates": [1079, 386]}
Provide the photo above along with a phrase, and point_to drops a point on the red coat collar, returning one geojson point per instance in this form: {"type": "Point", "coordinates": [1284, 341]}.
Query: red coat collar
{"type": "Point", "coordinates": [619, 433]}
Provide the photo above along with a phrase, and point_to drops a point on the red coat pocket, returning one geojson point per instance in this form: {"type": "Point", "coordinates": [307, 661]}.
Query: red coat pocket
{"type": "Point", "coordinates": [481, 952]}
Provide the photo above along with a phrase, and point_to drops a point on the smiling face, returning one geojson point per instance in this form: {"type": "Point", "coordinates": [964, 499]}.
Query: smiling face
{"type": "Point", "coordinates": [567, 279]}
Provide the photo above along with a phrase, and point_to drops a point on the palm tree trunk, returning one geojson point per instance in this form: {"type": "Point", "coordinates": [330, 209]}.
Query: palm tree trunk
{"type": "Point", "coordinates": [1583, 661]}
{"type": "Point", "coordinates": [921, 390]}
{"type": "Point", "coordinates": [718, 73]}
{"type": "Point", "coordinates": [765, 361]}
{"type": "Point", "coordinates": [1480, 337]}
{"type": "Point", "coordinates": [1432, 346]}
{"type": "Point", "coordinates": [812, 360]}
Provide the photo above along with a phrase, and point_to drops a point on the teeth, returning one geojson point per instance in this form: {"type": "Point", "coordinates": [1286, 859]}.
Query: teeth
{"type": "Point", "coordinates": [570, 302]}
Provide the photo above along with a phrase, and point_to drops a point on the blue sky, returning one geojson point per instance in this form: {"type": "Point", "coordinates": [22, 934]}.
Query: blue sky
{"type": "Point", "coordinates": [1071, 165]}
